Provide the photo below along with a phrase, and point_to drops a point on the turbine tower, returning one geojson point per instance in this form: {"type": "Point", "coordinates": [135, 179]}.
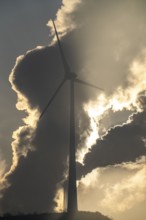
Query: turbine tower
{"type": "Point", "coordinates": [72, 206]}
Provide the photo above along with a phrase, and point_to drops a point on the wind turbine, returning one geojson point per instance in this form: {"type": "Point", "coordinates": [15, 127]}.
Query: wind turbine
{"type": "Point", "coordinates": [72, 77]}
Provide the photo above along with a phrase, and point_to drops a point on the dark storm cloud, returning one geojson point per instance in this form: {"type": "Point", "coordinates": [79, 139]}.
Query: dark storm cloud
{"type": "Point", "coordinates": [36, 176]}
{"type": "Point", "coordinates": [34, 181]}
{"type": "Point", "coordinates": [36, 76]}
{"type": "Point", "coordinates": [121, 144]}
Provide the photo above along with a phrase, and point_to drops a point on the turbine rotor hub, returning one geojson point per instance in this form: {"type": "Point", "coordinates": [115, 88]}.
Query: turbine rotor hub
{"type": "Point", "coordinates": [70, 75]}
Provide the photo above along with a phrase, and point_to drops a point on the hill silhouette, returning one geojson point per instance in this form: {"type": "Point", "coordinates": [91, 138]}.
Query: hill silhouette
{"type": "Point", "coordinates": [57, 216]}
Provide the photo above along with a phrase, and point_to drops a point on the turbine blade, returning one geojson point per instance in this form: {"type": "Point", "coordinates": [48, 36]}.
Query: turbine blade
{"type": "Point", "coordinates": [65, 64]}
{"type": "Point", "coordinates": [55, 93]}
{"type": "Point", "coordinates": [88, 84]}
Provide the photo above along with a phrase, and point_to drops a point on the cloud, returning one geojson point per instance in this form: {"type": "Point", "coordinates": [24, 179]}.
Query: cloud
{"type": "Point", "coordinates": [39, 148]}
{"type": "Point", "coordinates": [121, 144]}
{"type": "Point", "coordinates": [133, 187]}
{"type": "Point", "coordinates": [3, 169]}
{"type": "Point", "coordinates": [34, 151]}
{"type": "Point", "coordinates": [117, 138]}
{"type": "Point", "coordinates": [66, 19]}
{"type": "Point", "coordinates": [99, 46]}
{"type": "Point", "coordinates": [114, 189]}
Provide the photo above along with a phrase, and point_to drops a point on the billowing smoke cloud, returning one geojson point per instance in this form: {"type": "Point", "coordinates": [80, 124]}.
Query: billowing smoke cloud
{"type": "Point", "coordinates": [101, 39]}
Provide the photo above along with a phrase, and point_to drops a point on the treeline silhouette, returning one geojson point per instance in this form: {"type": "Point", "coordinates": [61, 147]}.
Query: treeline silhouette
{"type": "Point", "coordinates": [57, 216]}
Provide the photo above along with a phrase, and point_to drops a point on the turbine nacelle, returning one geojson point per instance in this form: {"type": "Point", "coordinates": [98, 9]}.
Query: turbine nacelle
{"type": "Point", "coordinates": [70, 76]}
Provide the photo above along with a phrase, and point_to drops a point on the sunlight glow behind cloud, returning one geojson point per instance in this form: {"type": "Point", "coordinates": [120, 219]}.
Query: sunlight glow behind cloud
{"type": "Point", "coordinates": [125, 188]}
{"type": "Point", "coordinates": [122, 99]}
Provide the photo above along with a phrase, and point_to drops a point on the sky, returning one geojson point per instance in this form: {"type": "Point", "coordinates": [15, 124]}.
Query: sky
{"type": "Point", "coordinates": [104, 43]}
